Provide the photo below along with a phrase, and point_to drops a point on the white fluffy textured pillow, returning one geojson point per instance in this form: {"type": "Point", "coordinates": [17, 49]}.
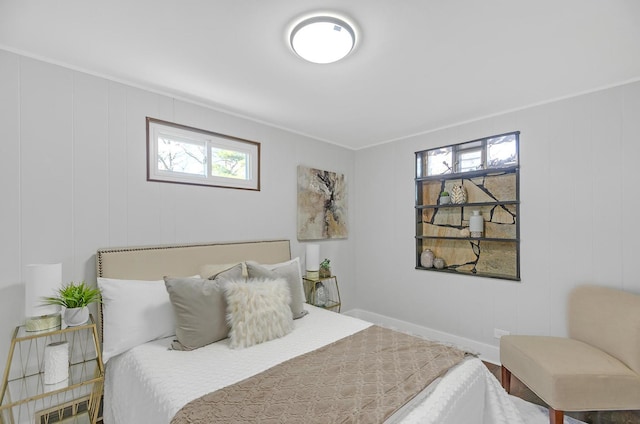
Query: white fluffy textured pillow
{"type": "Point", "coordinates": [257, 311]}
{"type": "Point", "coordinates": [134, 312]}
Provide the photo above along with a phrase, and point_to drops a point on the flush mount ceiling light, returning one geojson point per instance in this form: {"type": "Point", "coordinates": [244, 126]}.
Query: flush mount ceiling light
{"type": "Point", "coordinates": [322, 39]}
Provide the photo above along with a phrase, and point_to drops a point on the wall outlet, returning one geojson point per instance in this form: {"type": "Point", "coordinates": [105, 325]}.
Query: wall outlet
{"type": "Point", "coordinates": [497, 333]}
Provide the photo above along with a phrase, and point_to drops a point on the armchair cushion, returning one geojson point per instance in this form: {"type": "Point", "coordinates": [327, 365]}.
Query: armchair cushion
{"type": "Point", "coordinates": [571, 375]}
{"type": "Point", "coordinates": [608, 319]}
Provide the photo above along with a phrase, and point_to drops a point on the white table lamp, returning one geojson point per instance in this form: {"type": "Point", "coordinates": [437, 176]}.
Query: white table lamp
{"type": "Point", "coordinates": [41, 280]}
{"type": "Point", "coordinates": [312, 261]}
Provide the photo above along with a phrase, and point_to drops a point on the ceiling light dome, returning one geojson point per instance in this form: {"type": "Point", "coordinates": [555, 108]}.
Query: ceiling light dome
{"type": "Point", "coordinates": [322, 39]}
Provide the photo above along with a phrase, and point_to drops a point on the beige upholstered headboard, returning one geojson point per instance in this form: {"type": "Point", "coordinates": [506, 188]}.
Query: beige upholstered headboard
{"type": "Point", "coordinates": [155, 262]}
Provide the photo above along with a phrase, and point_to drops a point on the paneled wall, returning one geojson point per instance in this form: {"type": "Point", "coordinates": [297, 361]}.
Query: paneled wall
{"type": "Point", "coordinates": [579, 210]}
{"type": "Point", "coordinates": [73, 179]}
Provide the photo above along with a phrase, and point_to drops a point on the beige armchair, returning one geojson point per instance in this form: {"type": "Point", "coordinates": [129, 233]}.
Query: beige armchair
{"type": "Point", "coordinates": [596, 369]}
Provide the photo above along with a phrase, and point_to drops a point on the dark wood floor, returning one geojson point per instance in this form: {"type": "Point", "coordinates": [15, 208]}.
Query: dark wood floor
{"type": "Point", "coordinates": [611, 417]}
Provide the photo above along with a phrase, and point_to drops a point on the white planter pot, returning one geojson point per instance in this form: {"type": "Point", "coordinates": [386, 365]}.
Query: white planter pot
{"type": "Point", "coordinates": [76, 316]}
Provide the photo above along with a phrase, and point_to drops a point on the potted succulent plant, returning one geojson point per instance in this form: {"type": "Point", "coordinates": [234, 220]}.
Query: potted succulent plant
{"type": "Point", "coordinates": [75, 298]}
{"type": "Point", "coordinates": [445, 199]}
{"type": "Point", "coordinates": [325, 268]}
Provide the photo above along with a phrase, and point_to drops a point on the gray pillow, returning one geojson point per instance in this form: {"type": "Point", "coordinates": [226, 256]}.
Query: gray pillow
{"type": "Point", "coordinates": [233, 273]}
{"type": "Point", "coordinates": [210, 271]}
{"type": "Point", "coordinates": [200, 309]}
{"type": "Point", "coordinates": [290, 271]}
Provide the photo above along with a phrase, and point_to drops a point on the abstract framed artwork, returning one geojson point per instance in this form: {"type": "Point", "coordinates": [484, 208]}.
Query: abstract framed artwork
{"type": "Point", "coordinates": [322, 204]}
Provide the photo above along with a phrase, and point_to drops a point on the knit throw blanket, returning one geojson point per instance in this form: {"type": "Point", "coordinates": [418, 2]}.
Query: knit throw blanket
{"type": "Point", "coordinates": [362, 378]}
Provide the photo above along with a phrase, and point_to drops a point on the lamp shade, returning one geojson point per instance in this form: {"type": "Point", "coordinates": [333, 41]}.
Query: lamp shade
{"type": "Point", "coordinates": [41, 280]}
{"type": "Point", "coordinates": [312, 258]}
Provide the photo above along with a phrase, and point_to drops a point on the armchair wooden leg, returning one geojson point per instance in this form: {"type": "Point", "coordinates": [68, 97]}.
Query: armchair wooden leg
{"type": "Point", "coordinates": [556, 417]}
{"type": "Point", "coordinates": [506, 378]}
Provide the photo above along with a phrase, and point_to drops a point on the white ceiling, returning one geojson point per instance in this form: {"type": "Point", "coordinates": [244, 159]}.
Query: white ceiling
{"type": "Point", "coordinates": [419, 64]}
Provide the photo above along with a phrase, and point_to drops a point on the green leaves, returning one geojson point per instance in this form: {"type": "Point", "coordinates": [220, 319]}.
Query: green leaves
{"type": "Point", "coordinates": [74, 296]}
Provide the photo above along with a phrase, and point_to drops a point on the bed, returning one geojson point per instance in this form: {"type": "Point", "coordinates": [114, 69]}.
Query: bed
{"type": "Point", "coordinates": [148, 381]}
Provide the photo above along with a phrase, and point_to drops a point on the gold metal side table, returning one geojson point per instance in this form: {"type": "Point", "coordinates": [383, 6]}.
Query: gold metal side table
{"type": "Point", "coordinates": [25, 398]}
{"type": "Point", "coordinates": [323, 292]}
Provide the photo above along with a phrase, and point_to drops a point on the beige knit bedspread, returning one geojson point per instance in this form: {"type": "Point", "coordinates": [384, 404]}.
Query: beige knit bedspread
{"type": "Point", "coordinates": [363, 378]}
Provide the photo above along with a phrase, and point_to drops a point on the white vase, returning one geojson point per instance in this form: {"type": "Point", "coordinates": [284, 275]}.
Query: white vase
{"type": "Point", "coordinates": [321, 294]}
{"type": "Point", "coordinates": [476, 224]}
{"type": "Point", "coordinates": [458, 195]}
{"type": "Point", "coordinates": [56, 362]}
{"type": "Point", "coordinates": [76, 316]}
{"type": "Point", "coordinates": [426, 258]}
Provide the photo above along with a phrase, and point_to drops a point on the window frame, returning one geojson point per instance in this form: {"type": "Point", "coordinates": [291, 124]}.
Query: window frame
{"type": "Point", "coordinates": [480, 144]}
{"type": "Point", "coordinates": [209, 140]}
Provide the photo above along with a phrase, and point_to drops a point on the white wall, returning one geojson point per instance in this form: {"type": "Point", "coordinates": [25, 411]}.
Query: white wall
{"type": "Point", "coordinates": [580, 204]}
{"type": "Point", "coordinates": [73, 179]}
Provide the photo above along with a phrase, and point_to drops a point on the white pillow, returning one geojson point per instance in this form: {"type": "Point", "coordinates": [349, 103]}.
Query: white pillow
{"type": "Point", "coordinates": [134, 312]}
{"type": "Point", "coordinates": [257, 311]}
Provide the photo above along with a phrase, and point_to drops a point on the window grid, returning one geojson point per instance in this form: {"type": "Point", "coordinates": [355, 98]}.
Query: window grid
{"type": "Point", "coordinates": [185, 155]}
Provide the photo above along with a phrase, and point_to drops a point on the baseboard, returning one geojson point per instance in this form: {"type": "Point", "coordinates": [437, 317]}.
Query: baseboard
{"type": "Point", "coordinates": [486, 352]}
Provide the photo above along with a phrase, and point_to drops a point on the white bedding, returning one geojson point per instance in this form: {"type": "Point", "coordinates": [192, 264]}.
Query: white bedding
{"type": "Point", "coordinates": [150, 383]}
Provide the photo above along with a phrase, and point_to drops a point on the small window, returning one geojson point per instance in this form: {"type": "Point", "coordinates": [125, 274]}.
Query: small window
{"type": "Point", "coordinates": [502, 151]}
{"type": "Point", "coordinates": [180, 154]}
{"type": "Point", "coordinates": [499, 151]}
{"type": "Point", "coordinates": [439, 161]}
{"type": "Point", "coordinates": [469, 157]}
